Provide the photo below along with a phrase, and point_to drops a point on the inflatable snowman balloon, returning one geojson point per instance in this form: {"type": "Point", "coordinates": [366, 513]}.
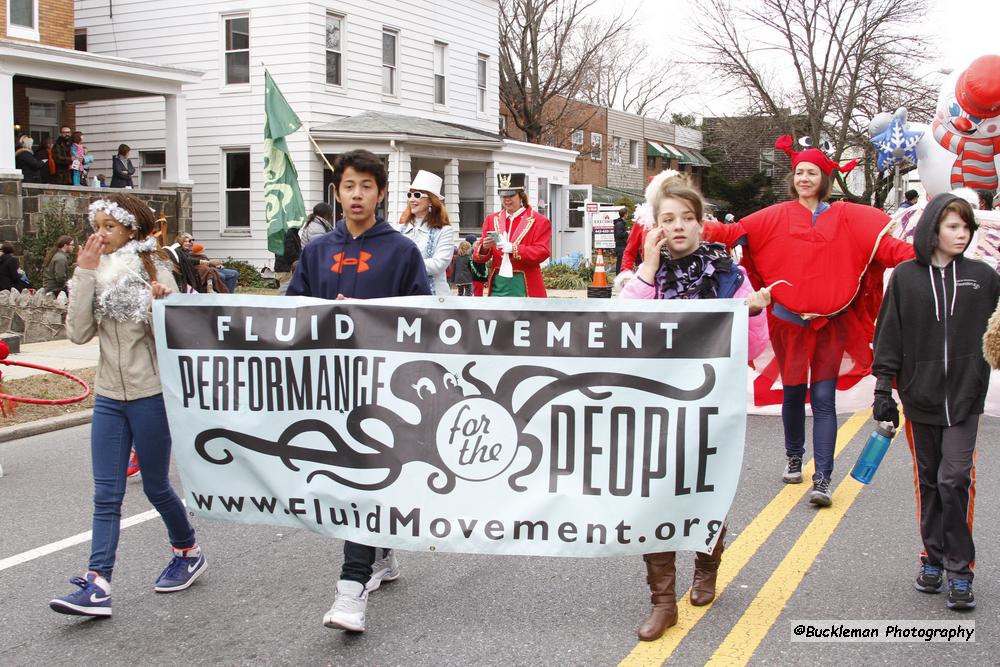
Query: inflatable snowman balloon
{"type": "Point", "coordinates": [962, 144]}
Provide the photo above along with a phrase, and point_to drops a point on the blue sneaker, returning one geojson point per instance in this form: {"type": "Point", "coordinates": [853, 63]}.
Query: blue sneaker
{"type": "Point", "coordinates": [93, 598]}
{"type": "Point", "coordinates": [960, 594]}
{"type": "Point", "coordinates": [186, 566]}
{"type": "Point", "coordinates": [930, 579]}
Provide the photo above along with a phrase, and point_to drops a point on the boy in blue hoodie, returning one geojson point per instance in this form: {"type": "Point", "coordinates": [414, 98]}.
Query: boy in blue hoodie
{"type": "Point", "coordinates": [930, 340]}
{"type": "Point", "coordinates": [362, 258]}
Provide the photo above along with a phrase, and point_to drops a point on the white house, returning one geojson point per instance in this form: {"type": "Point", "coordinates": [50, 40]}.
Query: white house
{"type": "Point", "coordinates": [415, 82]}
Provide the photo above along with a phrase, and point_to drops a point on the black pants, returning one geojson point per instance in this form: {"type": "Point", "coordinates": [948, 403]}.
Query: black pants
{"type": "Point", "coordinates": [358, 559]}
{"type": "Point", "coordinates": [944, 457]}
{"type": "Point", "coordinates": [619, 251]}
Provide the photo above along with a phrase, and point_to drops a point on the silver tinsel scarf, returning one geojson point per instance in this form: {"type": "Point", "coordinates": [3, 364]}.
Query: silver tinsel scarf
{"type": "Point", "coordinates": [122, 290]}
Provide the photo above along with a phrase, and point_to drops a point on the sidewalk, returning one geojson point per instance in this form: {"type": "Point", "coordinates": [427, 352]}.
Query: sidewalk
{"type": "Point", "coordinates": [61, 354]}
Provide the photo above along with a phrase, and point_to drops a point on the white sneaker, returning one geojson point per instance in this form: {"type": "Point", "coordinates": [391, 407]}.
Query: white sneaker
{"type": "Point", "coordinates": [348, 610]}
{"type": "Point", "coordinates": [384, 569]}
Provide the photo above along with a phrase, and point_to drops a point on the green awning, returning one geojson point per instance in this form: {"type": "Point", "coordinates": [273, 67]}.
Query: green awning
{"type": "Point", "coordinates": [654, 149]}
{"type": "Point", "coordinates": [700, 159]}
{"type": "Point", "coordinates": [686, 158]}
{"type": "Point", "coordinates": [674, 153]}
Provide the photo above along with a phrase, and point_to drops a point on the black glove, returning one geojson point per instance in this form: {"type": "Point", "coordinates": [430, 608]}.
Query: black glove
{"type": "Point", "coordinates": [884, 407]}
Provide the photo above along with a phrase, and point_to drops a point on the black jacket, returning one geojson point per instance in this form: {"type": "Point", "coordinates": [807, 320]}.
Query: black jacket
{"type": "Point", "coordinates": [9, 277]}
{"type": "Point", "coordinates": [621, 234]}
{"type": "Point", "coordinates": [121, 172]}
{"type": "Point", "coordinates": [930, 330]}
{"type": "Point", "coordinates": [30, 166]}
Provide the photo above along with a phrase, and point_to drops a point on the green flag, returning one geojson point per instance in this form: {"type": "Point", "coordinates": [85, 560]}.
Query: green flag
{"type": "Point", "coordinates": [283, 203]}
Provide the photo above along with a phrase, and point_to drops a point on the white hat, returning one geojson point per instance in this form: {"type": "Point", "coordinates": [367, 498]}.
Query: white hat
{"type": "Point", "coordinates": [428, 182]}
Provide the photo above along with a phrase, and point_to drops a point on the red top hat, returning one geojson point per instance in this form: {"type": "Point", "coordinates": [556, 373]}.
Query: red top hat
{"type": "Point", "coordinates": [813, 155]}
{"type": "Point", "coordinates": [977, 90]}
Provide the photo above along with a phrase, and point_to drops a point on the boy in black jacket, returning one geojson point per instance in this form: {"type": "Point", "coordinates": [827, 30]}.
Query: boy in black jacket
{"type": "Point", "coordinates": [929, 339]}
{"type": "Point", "coordinates": [362, 258]}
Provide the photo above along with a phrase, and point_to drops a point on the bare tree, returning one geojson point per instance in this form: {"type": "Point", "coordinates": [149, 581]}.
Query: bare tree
{"type": "Point", "coordinates": [626, 78]}
{"type": "Point", "coordinates": [834, 61]}
{"type": "Point", "coordinates": [546, 49]}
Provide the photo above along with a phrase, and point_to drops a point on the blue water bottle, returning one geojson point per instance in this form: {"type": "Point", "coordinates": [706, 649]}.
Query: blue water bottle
{"type": "Point", "coordinates": [873, 453]}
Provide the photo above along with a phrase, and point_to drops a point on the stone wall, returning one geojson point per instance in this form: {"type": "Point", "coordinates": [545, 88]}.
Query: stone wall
{"type": "Point", "coordinates": [37, 317]}
{"type": "Point", "coordinates": [34, 197]}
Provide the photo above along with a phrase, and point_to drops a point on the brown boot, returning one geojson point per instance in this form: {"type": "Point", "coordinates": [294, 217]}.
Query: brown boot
{"type": "Point", "coordinates": [661, 576]}
{"type": "Point", "coordinates": [706, 569]}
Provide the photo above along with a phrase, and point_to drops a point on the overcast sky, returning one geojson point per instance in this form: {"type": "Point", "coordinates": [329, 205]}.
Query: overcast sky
{"type": "Point", "coordinates": [960, 28]}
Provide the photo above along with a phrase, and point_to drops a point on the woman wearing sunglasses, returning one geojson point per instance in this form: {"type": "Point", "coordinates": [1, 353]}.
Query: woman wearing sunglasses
{"type": "Point", "coordinates": [425, 222]}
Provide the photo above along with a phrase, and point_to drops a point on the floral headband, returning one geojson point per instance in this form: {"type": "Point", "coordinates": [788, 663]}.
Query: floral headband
{"type": "Point", "coordinates": [112, 209]}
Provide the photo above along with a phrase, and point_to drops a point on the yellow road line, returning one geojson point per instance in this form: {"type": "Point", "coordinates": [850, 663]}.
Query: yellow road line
{"type": "Point", "coordinates": [737, 555]}
{"type": "Point", "coordinates": [742, 641]}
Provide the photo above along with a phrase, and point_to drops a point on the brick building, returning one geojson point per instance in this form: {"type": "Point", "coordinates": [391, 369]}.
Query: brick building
{"type": "Point", "coordinates": [745, 146]}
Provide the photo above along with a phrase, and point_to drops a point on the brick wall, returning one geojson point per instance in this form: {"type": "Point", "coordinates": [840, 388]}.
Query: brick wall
{"type": "Point", "coordinates": [55, 22]}
{"type": "Point", "coordinates": [567, 117]}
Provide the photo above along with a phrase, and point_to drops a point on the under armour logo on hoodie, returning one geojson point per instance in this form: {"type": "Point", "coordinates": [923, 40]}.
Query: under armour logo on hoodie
{"type": "Point", "coordinates": [339, 262]}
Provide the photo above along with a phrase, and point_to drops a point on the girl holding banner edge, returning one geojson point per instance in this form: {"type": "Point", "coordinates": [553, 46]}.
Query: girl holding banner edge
{"type": "Point", "coordinates": [678, 265]}
{"type": "Point", "coordinates": [119, 273]}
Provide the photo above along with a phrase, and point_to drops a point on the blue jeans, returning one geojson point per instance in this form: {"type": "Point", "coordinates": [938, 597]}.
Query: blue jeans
{"type": "Point", "coordinates": [117, 427]}
{"type": "Point", "coordinates": [229, 276]}
{"type": "Point", "coordinates": [822, 397]}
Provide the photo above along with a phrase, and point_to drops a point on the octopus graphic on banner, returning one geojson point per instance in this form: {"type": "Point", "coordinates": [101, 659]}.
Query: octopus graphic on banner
{"type": "Point", "coordinates": [447, 415]}
{"type": "Point", "coordinates": [963, 142]}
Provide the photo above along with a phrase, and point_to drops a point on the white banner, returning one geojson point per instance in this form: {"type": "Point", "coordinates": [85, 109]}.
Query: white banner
{"type": "Point", "coordinates": [519, 426]}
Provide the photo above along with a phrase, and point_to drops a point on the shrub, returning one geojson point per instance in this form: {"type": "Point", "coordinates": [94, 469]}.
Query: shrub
{"type": "Point", "coordinates": [56, 221]}
{"type": "Point", "coordinates": [249, 274]}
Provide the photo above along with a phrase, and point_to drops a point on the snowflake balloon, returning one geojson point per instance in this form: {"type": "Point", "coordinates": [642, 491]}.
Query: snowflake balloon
{"type": "Point", "coordinates": [896, 145]}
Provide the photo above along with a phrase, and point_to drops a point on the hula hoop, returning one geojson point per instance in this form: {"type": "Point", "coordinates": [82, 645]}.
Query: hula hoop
{"type": "Point", "coordinates": [45, 401]}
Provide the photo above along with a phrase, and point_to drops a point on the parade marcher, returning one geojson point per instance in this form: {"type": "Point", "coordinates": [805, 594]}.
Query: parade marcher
{"type": "Point", "coordinates": [119, 273]}
{"type": "Point", "coordinates": [929, 340]}
{"type": "Point", "coordinates": [515, 242]}
{"type": "Point", "coordinates": [621, 238]}
{"type": "Point", "coordinates": [24, 159]}
{"type": "Point", "coordinates": [57, 267]}
{"type": "Point", "coordinates": [678, 265]}
{"type": "Point", "coordinates": [825, 262]}
{"type": "Point", "coordinates": [425, 222]}
{"type": "Point", "coordinates": [910, 198]}
{"type": "Point", "coordinates": [370, 260]}
{"type": "Point", "coordinates": [122, 168]}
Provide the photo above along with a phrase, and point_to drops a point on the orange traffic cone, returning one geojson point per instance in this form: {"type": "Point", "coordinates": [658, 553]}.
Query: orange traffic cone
{"type": "Point", "coordinates": [600, 276]}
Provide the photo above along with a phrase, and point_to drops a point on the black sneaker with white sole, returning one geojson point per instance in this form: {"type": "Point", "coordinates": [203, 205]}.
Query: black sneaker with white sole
{"type": "Point", "coordinates": [793, 470]}
{"type": "Point", "coordinates": [930, 579]}
{"type": "Point", "coordinates": [820, 494]}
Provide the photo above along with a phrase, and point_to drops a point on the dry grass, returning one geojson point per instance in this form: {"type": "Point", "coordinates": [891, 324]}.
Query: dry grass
{"type": "Point", "coordinates": [47, 385]}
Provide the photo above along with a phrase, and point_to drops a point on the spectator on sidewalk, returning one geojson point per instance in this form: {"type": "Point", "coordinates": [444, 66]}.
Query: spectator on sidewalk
{"type": "Point", "coordinates": [44, 154]}
{"type": "Point", "coordinates": [57, 267]}
{"type": "Point", "coordinates": [62, 154]}
{"type": "Point", "coordinates": [80, 165]}
{"type": "Point", "coordinates": [463, 269]}
{"type": "Point", "coordinates": [10, 276]}
{"type": "Point", "coordinates": [24, 159]}
{"type": "Point", "coordinates": [122, 168]}
{"type": "Point", "coordinates": [215, 273]}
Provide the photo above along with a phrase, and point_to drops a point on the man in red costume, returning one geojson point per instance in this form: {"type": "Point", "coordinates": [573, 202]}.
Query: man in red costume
{"type": "Point", "coordinates": [516, 236]}
{"type": "Point", "coordinates": [825, 263]}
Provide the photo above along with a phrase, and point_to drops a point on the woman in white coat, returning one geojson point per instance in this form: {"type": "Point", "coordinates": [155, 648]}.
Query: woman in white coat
{"type": "Point", "coordinates": [425, 222]}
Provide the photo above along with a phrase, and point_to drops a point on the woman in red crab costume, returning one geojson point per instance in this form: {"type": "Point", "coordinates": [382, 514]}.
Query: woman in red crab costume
{"type": "Point", "coordinates": [824, 263]}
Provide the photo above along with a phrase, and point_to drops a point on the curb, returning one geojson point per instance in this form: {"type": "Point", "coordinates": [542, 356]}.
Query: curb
{"type": "Point", "coordinates": [40, 426]}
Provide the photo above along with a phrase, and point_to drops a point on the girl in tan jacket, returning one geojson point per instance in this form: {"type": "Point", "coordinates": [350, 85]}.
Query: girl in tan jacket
{"type": "Point", "coordinates": [119, 273]}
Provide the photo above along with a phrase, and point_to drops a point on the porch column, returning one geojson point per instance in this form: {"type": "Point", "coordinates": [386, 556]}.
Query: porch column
{"type": "Point", "coordinates": [451, 194]}
{"type": "Point", "coordinates": [177, 141]}
{"type": "Point", "coordinates": [7, 148]}
{"type": "Point", "coordinates": [399, 182]}
{"type": "Point", "coordinates": [492, 201]}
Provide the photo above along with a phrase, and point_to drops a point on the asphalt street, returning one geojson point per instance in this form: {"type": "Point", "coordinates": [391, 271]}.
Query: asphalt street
{"type": "Point", "coordinates": [262, 599]}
